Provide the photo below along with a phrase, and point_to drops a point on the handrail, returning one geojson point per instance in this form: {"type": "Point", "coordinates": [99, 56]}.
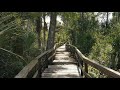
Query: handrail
{"type": "Point", "coordinates": [107, 71]}
{"type": "Point", "coordinates": [30, 70]}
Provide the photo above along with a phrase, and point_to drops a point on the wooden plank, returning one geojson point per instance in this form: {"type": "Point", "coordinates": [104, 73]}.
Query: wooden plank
{"type": "Point", "coordinates": [63, 63]}
{"type": "Point", "coordinates": [62, 57]}
{"type": "Point", "coordinates": [55, 62]}
{"type": "Point", "coordinates": [58, 70]}
{"type": "Point", "coordinates": [72, 66]}
{"type": "Point", "coordinates": [61, 75]}
{"type": "Point", "coordinates": [70, 59]}
{"type": "Point", "coordinates": [58, 50]}
{"type": "Point", "coordinates": [63, 53]}
{"type": "Point", "coordinates": [62, 60]}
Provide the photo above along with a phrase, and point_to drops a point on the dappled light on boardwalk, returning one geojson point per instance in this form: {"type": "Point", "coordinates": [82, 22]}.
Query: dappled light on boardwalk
{"type": "Point", "coordinates": [63, 66]}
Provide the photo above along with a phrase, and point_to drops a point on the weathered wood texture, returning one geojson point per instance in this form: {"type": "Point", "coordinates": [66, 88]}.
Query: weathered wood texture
{"type": "Point", "coordinates": [63, 66]}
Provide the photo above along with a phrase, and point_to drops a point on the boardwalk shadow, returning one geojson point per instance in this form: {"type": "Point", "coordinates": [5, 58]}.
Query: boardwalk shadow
{"type": "Point", "coordinates": [57, 73]}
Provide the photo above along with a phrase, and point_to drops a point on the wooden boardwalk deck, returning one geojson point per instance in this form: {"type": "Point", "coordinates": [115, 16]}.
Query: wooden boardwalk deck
{"type": "Point", "coordinates": [64, 66]}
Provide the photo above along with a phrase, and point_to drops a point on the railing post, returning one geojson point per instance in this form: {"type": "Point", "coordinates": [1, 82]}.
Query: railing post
{"type": "Point", "coordinates": [50, 61]}
{"type": "Point", "coordinates": [54, 51]}
{"type": "Point", "coordinates": [86, 68]}
{"type": "Point", "coordinates": [81, 63]}
{"type": "Point", "coordinates": [47, 62]}
{"type": "Point", "coordinates": [39, 73]}
{"type": "Point", "coordinates": [82, 67]}
{"type": "Point", "coordinates": [39, 69]}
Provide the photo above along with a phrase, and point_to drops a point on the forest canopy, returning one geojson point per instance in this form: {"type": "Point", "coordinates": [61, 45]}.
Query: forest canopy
{"type": "Point", "coordinates": [25, 35]}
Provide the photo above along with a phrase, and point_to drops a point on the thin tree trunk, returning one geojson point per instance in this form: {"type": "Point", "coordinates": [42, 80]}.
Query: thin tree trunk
{"type": "Point", "coordinates": [51, 35]}
{"type": "Point", "coordinates": [38, 30]}
{"type": "Point", "coordinates": [44, 30]}
{"type": "Point", "coordinates": [107, 20]}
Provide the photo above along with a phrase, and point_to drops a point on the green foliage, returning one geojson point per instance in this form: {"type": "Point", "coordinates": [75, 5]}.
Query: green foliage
{"type": "Point", "coordinates": [80, 32]}
{"type": "Point", "coordinates": [95, 41]}
{"type": "Point", "coordinates": [115, 55]}
{"type": "Point", "coordinates": [10, 64]}
{"type": "Point", "coordinates": [28, 40]}
{"type": "Point", "coordinates": [17, 37]}
{"type": "Point", "coordinates": [85, 42]}
{"type": "Point", "coordinates": [101, 50]}
{"type": "Point", "coordinates": [61, 36]}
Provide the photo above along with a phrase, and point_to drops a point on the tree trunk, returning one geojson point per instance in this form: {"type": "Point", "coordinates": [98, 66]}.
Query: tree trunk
{"type": "Point", "coordinates": [118, 62]}
{"type": "Point", "coordinates": [38, 30]}
{"type": "Point", "coordinates": [51, 35]}
{"type": "Point", "coordinates": [107, 20]}
{"type": "Point", "coordinates": [44, 30]}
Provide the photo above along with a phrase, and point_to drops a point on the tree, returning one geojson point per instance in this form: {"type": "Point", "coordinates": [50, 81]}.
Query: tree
{"type": "Point", "coordinates": [44, 30]}
{"type": "Point", "coordinates": [38, 29]}
{"type": "Point", "coordinates": [51, 34]}
{"type": "Point", "coordinates": [107, 17]}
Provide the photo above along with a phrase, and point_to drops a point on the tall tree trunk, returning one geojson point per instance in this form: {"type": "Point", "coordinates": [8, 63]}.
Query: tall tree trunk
{"type": "Point", "coordinates": [38, 30]}
{"type": "Point", "coordinates": [51, 35]}
{"type": "Point", "coordinates": [118, 62]}
{"type": "Point", "coordinates": [44, 30]}
{"type": "Point", "coordinates": [107, 20]}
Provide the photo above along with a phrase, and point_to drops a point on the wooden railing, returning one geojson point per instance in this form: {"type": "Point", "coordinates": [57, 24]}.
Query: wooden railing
{"type": "Point", "coordinates": [84, 62]}
{"type": "Point", "coordinates": [35, 68]}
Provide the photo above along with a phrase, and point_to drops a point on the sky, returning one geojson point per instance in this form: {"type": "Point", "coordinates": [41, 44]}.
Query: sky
{"type": "Point", "coordinates": [100, 18]}
{"type": "Point", "coordinates": [58, 19]}
{"type": "Point", "coordinates": [48, 20]}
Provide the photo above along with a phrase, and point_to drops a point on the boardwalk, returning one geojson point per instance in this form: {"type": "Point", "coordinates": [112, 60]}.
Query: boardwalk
{"type": "Point", "coordinates": [64, 66]}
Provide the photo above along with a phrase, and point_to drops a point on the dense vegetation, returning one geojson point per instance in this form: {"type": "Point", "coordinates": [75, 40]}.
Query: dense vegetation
{"type": "Point", "coordinates": [25, 35]}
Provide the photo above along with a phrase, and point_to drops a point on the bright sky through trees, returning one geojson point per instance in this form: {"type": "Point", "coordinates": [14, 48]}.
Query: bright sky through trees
{"type": "Point", "coordinates": [101, 18]}
{"type": "Point", "coordinates": [48, 20]}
